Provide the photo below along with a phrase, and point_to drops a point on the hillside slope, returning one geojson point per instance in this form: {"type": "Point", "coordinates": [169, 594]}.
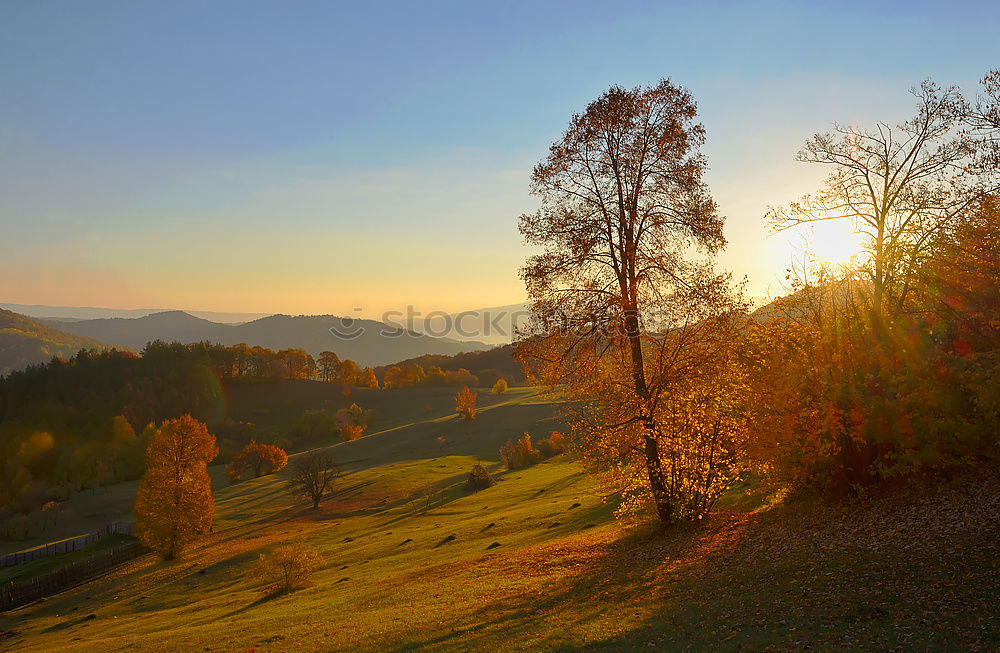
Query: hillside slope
{"type": "Point", "coordinates": [413, 561]}
{"type": "Point", "coordinates": [24, 342]}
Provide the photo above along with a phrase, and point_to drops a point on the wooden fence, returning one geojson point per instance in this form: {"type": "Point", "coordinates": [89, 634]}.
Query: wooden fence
{"type": "Point", "coordinates": [18, 593]}
{"type": "Point", "coordinates": [67, 545]}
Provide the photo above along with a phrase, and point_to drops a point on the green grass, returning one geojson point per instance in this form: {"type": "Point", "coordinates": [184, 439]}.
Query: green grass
{"type": "Point", "coordinates": [410, 563]}
{"type": "Point", "coordinates": [44, 565]}
{"type": "Point", "coordinates": [415, 416]}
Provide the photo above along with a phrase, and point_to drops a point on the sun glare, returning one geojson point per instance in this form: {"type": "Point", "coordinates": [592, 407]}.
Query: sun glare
{"type": "Point", "coordinates": [832, 241]}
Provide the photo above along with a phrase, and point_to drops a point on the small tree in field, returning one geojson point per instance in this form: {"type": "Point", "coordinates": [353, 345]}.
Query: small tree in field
{"type": "Point", "coordinates": [174, 503]}
{"type": "Point", "coordinates": [261, 459]}
{"type": "Point", "coordinates": [313, 475]}
{"type": "Point", "coordinates": [500, 387]}
{"type": "Point", "coordinates": [465, 403]}
{"type": "Point", "coordinates": [288, 567]}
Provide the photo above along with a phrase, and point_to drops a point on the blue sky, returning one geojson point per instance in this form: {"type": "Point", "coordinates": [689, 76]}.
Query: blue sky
{"type": "Point", "coordinates": [309, 157]}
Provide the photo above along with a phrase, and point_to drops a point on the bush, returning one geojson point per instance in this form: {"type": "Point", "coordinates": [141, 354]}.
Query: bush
{"type": "Point", "coordinates": [259, 459]}
{"type": "Point", "coordinates": [553, 445]}
{"type": "Point", "coordinates": [500, 387]}
{"type": "Point", "coordinates": [480, 479]}
{"type": "Point", "coordinates": [519, 453]}
{"type": "Point", "coordinates": [353, 421]}
{"type": "Point", "coordinates": [289, 567]}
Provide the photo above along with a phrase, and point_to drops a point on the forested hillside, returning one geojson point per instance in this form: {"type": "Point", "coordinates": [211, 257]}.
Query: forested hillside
{"type": "Point", "coordinates": [24, 342]}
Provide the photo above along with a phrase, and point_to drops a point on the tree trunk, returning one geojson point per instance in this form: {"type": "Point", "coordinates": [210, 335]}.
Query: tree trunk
{"type": "Point", "coordinates": [651, 450]}
{"type": "Point", "coordinates": [664, 509]}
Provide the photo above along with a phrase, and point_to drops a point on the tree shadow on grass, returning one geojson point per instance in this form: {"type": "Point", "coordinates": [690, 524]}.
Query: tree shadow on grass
{"type": "Point", "coordinates": [608, 577]}
{"type": "Point", "coordinates": [69, 623]}
{"type": "Point", "coordinates": [266, 598]}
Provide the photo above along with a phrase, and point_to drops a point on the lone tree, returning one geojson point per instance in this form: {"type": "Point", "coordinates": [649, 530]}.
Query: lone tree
{"type": "Point", "coordinates": [261, 459]}
{"type": "Point", "coordinates": [465, 403]}
{"type": "Point", "coordinates": [312, 475]}
{"type": "Point", "coordinates": [623, 207]}
{"type": "Point", "coordinates": [901, 187]}
{"type": "Point", "coordinates": [174, 503]}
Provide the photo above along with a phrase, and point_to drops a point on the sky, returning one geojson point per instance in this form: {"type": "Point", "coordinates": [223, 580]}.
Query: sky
{"type": "Point", "coordinates": [357, 157]}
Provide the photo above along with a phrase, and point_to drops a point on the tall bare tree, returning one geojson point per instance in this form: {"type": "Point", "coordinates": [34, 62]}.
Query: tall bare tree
{"type": "Point", "coordinates": [623, 205]}
{"type": "Point", "coordinates": [983, 118]}
{"type": "Point", "coordinates": [900, 186]}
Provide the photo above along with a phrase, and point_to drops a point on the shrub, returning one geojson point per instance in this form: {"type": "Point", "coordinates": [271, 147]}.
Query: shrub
{"type": "Point", "coordinates": [260, 459]}
{"type": "Point", "coordinates": [288, 567]}
{"type": "Point", "coordinates": [353, 421]}
{"type": "Point", "coordinates": [519, 453]}
{"type": "Point", "coordinates": [553, 445]}
{"type": "Point", "coordinates": [480, 478]}
{"type": "Point", "coordinates": [500, 387]}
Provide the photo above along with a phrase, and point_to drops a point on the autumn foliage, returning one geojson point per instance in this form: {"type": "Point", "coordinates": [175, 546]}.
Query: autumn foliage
{"type": "Point", "coordinates": [465, 403]}
{"type": "Point", "coordinates": [258, 459]}
{"type": "Point", "coordinates": [519, 453]}
{"type": "Point", "coordinates": [174, 504]}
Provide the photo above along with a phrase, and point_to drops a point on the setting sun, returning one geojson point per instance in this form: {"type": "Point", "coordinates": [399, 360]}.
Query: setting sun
{"type": "Point", "coordinates": [834, 241]}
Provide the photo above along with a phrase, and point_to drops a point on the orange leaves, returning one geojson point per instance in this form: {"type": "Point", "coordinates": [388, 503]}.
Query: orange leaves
{"type": "Point", "coordinates": [174, 503]}
{"type": "Point", "coordinates": [261, 459]}
{"type": "Point", "coordinates": [465, 403]}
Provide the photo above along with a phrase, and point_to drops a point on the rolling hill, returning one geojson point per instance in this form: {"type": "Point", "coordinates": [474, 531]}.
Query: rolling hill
{"type": "Point", "coordinates": [24, 342]}
{"type": "Point", "coordinates": [367, 342]}
{"type": "Point", "coordinates": [412, 560]}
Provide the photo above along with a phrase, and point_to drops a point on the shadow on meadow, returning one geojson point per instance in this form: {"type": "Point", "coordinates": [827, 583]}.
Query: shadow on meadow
{"type": "Point", "coordinates": [795, 576]}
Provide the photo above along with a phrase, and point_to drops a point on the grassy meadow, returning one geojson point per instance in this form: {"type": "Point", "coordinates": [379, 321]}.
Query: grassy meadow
{"type": "Point", "coordinates": [412, 560]}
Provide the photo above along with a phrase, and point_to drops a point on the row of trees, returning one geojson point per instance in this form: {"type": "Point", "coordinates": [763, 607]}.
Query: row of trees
{"type": "Point", "coordinates": [414, 375]}
{"type": "Point", "coordinates": [862, 374]}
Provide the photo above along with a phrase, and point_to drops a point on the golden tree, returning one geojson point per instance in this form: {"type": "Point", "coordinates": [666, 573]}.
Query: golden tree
{"type": "Point", "coordinates": [329, 366]}
{"type": "Point", "coordinates": [259, 458]}
{"type": "Point", "coordinates": [623, 207]}
{"type": "Point", "coordinates": [465, 403]}
{"type": "Point", "coordinates": [174, 504]}
{"type": "Point", "coordinates": [500, 387]}
{"type": "Point", "coordinates": [369, 380]}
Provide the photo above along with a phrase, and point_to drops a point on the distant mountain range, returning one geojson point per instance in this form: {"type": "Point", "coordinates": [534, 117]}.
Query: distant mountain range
{"type": "Point", "coordinates": [73, 313]}
{"type": "Point", "coordinates": [495, 325]}
{"type": "Point", "coordinates": [367, 342]}
{"type": "Point", "coordinates": [24, 342]}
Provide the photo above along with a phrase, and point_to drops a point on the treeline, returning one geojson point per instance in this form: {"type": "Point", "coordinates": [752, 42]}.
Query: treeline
{"type": "Point", "coordinates": [475, 369]}
{"type": "Point", "coordinates": [245, 362]}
